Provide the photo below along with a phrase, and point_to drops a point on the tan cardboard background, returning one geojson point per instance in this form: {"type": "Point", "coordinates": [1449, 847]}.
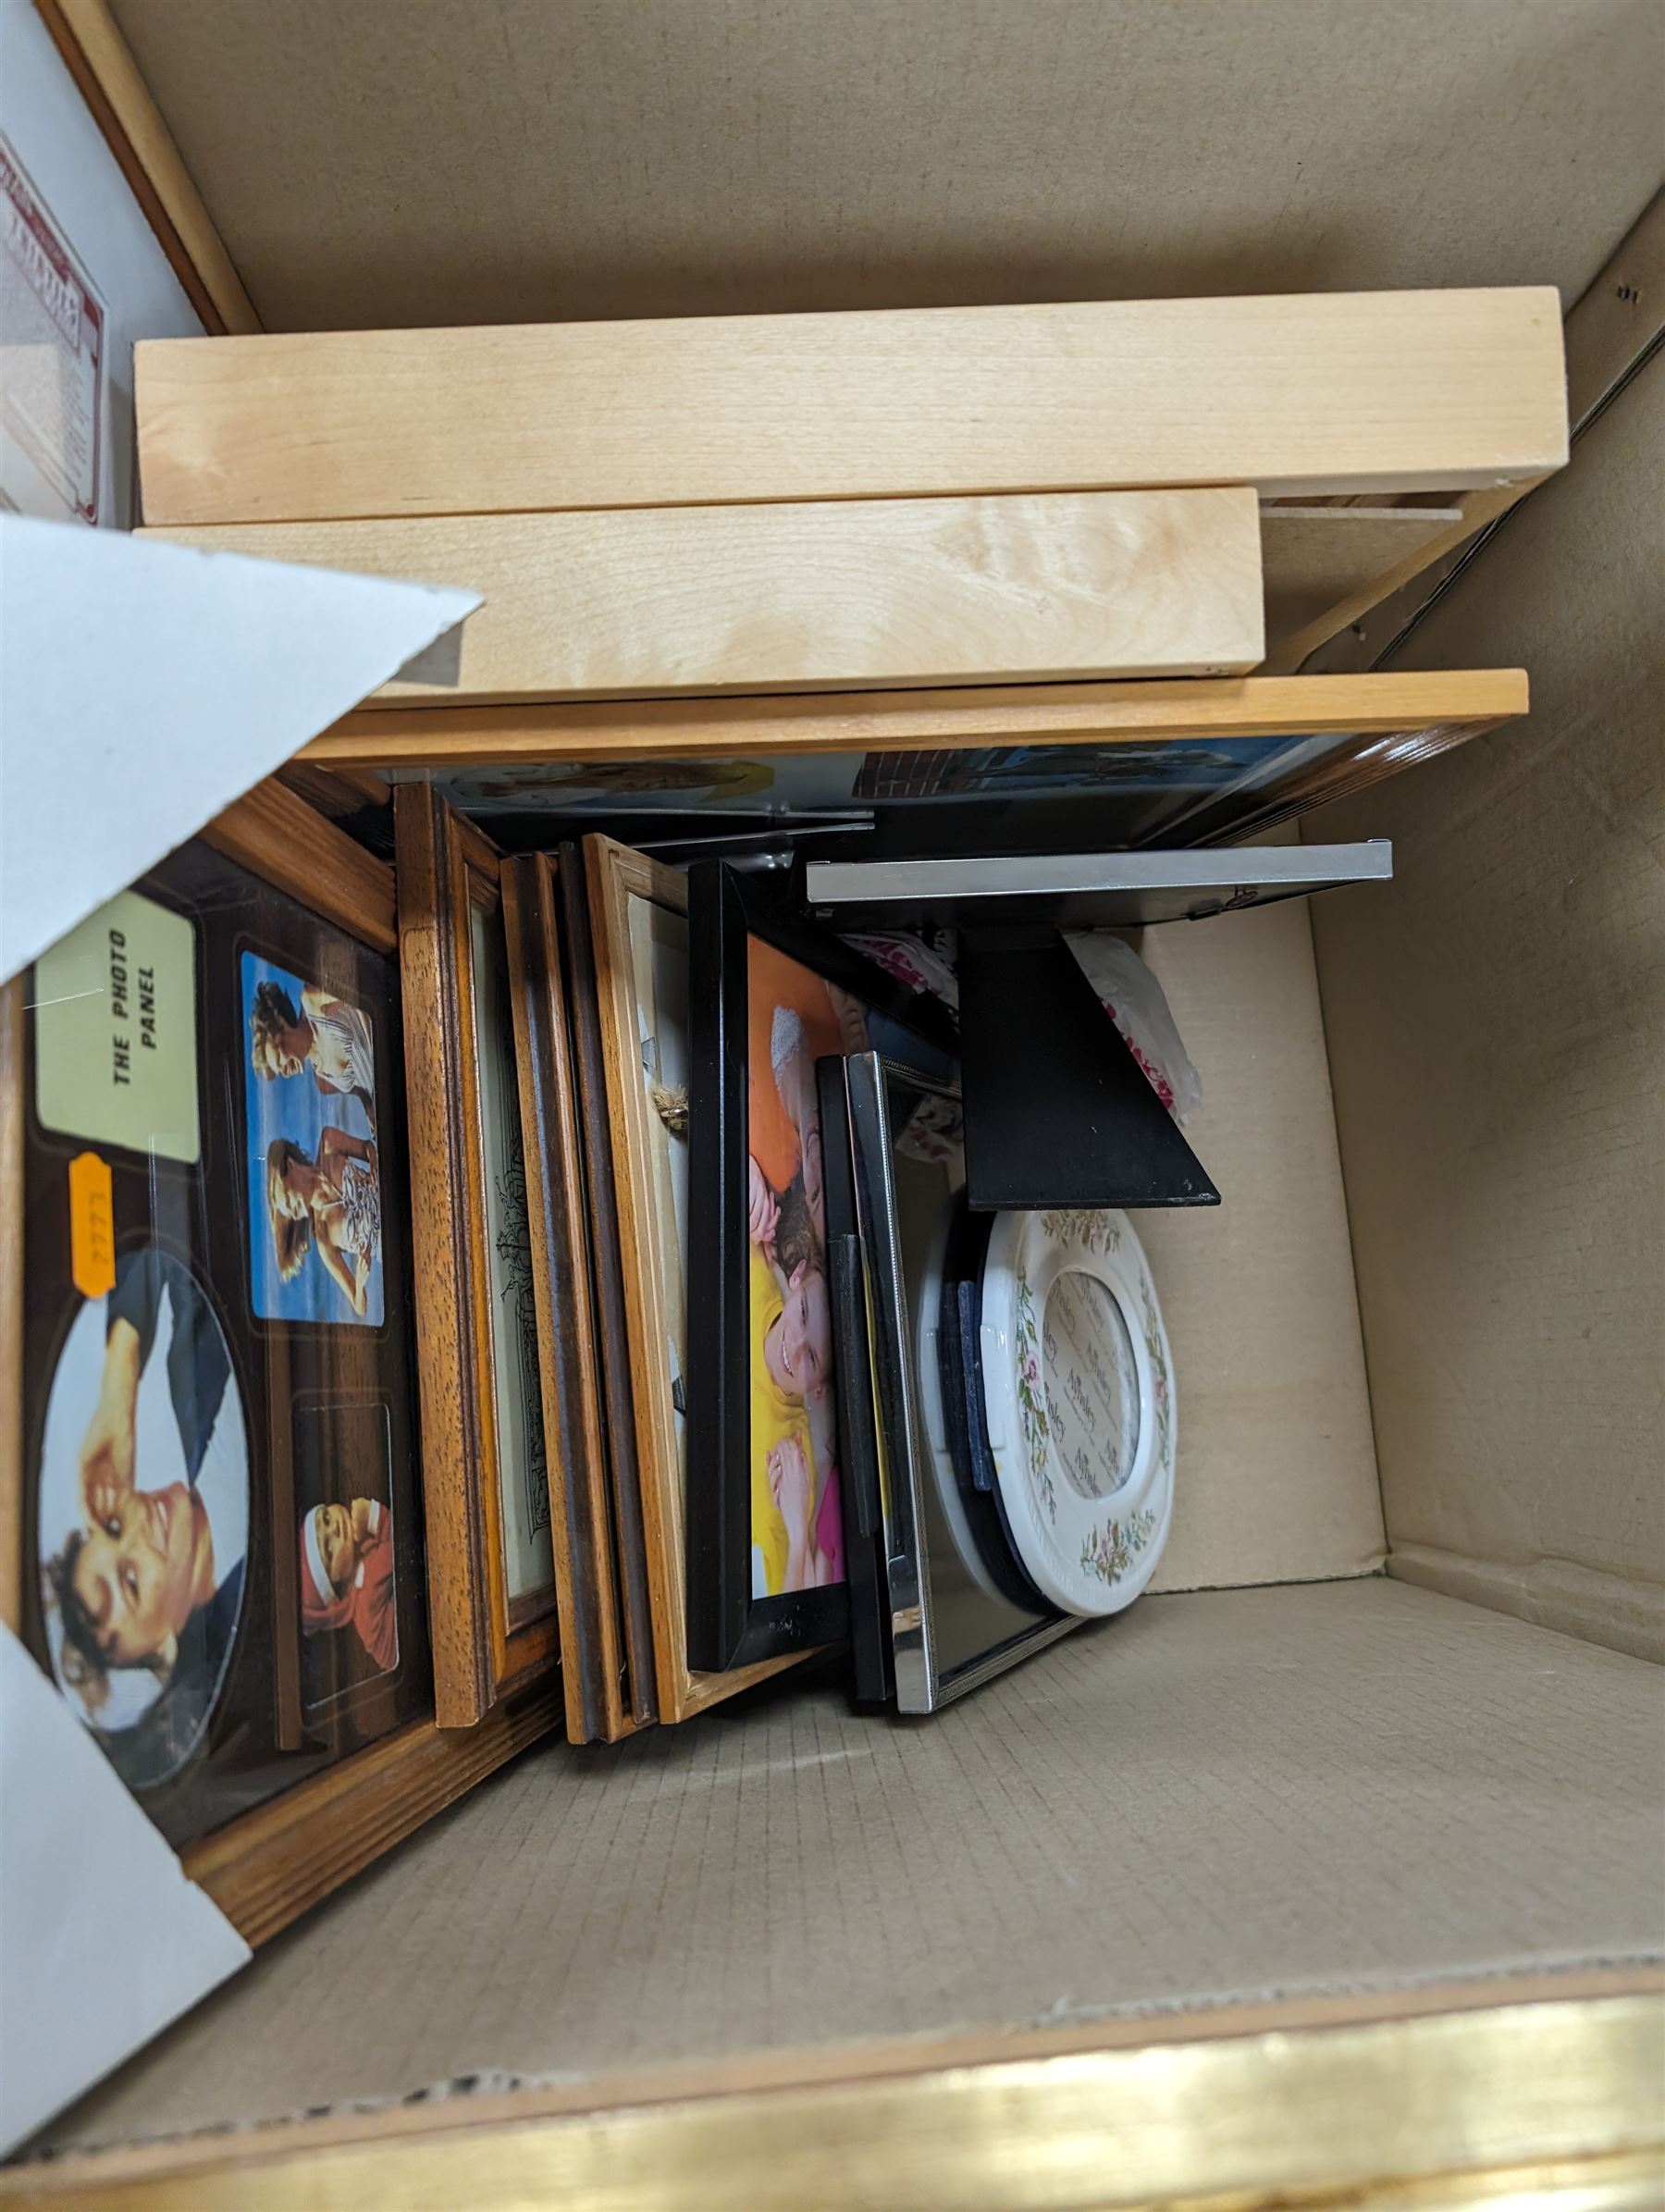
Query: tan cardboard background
{"type": "Point", "coordinates": [1229, 1795]}
{"type": "Point", "coordinates": [456, 161]}
{"type": "Point", "coordinates": [1497, 1033]}
{"type": "Point", "coordinates": [1275, 1478]}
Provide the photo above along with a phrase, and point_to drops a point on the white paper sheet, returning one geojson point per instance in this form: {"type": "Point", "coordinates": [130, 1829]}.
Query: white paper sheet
{"type": "Point", "coordinates": [144, 687]}
{"type": "Point", "coordinates": [103, 1940]}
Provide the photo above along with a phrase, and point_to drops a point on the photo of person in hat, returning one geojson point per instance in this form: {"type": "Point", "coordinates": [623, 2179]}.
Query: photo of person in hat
{"type": "Point", "coordinates": [347, 1577]}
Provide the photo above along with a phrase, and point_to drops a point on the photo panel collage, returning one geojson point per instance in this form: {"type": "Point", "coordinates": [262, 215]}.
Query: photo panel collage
{"type": "Point", "coordinates": [221, 1488]}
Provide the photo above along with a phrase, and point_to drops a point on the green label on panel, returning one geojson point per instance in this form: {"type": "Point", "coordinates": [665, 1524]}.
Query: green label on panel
{"type": "Point", "coordinates": [116, 1031]}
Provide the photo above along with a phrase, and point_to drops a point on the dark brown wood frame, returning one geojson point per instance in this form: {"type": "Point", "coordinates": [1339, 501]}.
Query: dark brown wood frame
{"type": "Point", "coordinates": [278, 1861]}
{"type": "Point", "coordinates": [485, 1646]}
{"type": "Point", "coordinates": [603, 1701]}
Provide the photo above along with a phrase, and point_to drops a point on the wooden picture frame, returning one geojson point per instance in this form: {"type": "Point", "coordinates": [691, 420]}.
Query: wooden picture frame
{"type": "Point", "coordinates": [265, 1866]}
{"type": "Point", "coordinates": [489, 1638]}
{"type": "Point", "coordinates": [606, 1279]}
{"type": "Point", "coordinates": [604, 1700]}
{"type": "Point", "coordinates": [627, 887]}
{"type": "Point", "coordinates": [755, 966]}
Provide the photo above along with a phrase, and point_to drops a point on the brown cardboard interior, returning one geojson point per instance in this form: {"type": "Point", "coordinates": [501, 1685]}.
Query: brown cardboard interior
{"type": "Point", "coordinates": [1494, 1018]}
{"type": "Point", "coordinates": [1221, 1795]}
{"type": "Point", "coordinates": [1276, 1479]}
{"type": "Point", "coordinates": [1351, 1785]}
{"type": "Point", "coordinates": [509, 161]}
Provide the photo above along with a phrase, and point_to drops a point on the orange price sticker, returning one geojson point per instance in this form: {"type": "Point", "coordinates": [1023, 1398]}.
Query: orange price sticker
{"type": "Point", "coordinates": [91, 1226]}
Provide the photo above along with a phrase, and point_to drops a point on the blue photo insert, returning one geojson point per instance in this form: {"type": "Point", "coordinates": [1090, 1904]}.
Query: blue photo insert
{"type": "Point", "coordinates": [313, 1172]}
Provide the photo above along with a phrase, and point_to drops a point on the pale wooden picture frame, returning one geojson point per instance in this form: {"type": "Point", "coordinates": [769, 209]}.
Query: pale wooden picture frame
{"type": "Point", "coordinates": [653, 1267]}
{"type": "Point", "coordinates": [486, 1642]}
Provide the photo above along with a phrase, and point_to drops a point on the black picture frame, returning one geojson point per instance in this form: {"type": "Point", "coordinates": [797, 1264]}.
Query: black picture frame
{"type": "Point", "coordinates": [727, 1626]}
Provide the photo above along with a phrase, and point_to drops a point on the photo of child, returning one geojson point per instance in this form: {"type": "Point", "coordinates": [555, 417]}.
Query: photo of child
{"type": "Point", "coordinates": [143, 1516]}
{"type": "Point", "coordinates": [347, 1579]}
{"type": "Point", "coordinates": [793, 1018]}
{"type": "Point", "coordinates": [314, 1187]}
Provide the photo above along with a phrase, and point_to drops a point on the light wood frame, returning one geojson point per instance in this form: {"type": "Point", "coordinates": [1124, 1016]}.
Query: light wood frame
{"type": "Point", "coordinates": [1382, 723]}
{"type": "Point", "coordinates": [1450, 704]}
{"type": "Point", "coordinates": [598, 1705]}
{"type": "Point", "coordinates": [780, 596]}
{"type": "Point", "coordinates": [485, 1644]}
{"type": "Point", "coordinates": [103, 69]}
{"type": "Point", "coordinates": [278, 1861]}
{"type": "Point", "coordinates": [1306, 392]}
{"type": "Point", "coordinates": [653, 1286]}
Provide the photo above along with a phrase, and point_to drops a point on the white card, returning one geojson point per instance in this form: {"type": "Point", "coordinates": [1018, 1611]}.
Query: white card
{"type": "Point", "coordinates": [106, 1941]}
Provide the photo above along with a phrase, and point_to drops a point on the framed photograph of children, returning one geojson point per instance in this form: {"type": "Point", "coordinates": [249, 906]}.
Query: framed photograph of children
{"type": "Point", "coordinates": [485, 1479]}
{"type": "Point", "coordinates": [770, 996]}
{"type": "Point", "coordinates": [211, 1523]}
{"type": "Point", "coordinates": [638, 912]}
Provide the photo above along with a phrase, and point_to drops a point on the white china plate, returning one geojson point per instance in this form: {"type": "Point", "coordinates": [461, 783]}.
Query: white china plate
{"type": "Point", "coordinates": [1078, 1381]}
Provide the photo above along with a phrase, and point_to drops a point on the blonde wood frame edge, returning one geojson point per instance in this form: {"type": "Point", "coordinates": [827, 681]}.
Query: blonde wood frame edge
{"type": "Point", "coordinates": [766, 596]}
{"type": "Point", "coordinates": [107, 77]}
{"type": "Point", "coordinates": [1461, 2094]}
{"type": "Point", "coordinates": [1323, 393]}
{"type": "Point", "coordinates": [1111, 714]}
{"type": "Point", "coordinates": [555, 1207]}
{"type": "Point", "coordinates": [479, 1655]}
{"type": "Point", "coordinates": [615, 873]}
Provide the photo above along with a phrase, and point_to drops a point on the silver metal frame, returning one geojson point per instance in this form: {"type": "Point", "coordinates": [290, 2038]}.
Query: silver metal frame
{"type": "Point", "coordinates": [1105, 890]}
{"type": "Point", "coordinates": [920, 1684]}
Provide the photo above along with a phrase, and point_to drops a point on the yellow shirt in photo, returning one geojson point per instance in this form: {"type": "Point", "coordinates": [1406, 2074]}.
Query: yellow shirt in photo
{"type": "Point", "coordinates": [774, 1416]}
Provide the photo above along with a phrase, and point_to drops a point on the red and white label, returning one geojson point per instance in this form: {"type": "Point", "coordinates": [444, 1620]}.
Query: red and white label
{"type": "Point", "coordinates": [52, 359]}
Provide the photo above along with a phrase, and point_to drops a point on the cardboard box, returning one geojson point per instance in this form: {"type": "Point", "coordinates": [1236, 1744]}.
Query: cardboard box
{"type": "Point", "coordinates": [1336, 1860]}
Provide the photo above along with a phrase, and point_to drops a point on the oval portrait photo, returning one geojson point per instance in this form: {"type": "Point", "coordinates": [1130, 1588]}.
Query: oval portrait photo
{"type": "Point", "coordinates": [143, 1516]}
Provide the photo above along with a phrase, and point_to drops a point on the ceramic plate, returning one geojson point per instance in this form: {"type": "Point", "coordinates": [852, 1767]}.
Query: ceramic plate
{"type": "Point", "coordinates": [1078, 1382]}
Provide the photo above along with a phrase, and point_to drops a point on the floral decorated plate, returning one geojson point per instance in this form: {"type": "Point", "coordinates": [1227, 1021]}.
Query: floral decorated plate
{"type": "Point", "coordinates": [1078, 1386]}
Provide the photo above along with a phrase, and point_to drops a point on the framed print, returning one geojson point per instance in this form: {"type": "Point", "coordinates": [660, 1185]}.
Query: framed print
{"type": "Point", "coordinates": [607, 1278]}
{"type": "Point", "coordinates": [210, 1505]}
{"type": "Point", "coordinates": [601, 1702]}
{"type": "Point", "coordinates": [491, 1541]}
{"type": "Point", "coordinates": [1139, 791]}
{"type": "Point", "coordinates": [770, 996]}
{"type": "Point", "coordinates": [948, 1602]}
{"type": "Point", "coordinates": [638, 912]}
